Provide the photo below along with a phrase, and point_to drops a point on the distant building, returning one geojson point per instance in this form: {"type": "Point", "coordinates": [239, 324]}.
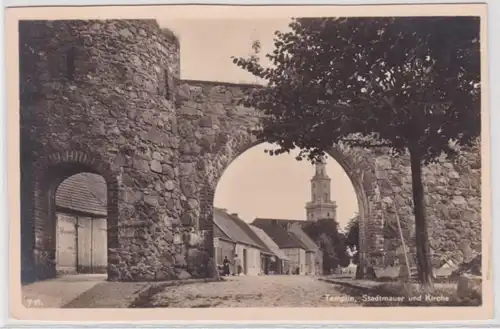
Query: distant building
{"type": "Point", "coordinates": [314, 255]}
{"type": "Point", "coordinates": [266, 255]}
{"type": "Point", "coordinates": [304, 256]}
{"type": "Point", "coordinates": [224, 246]}
{"type": "Point", "coordinates": [321, 205]}
{"type": "Point", "coordinates": [290, 245]}
{"type": "Point", "coordinates": [81, 226]}
{"type": "Point", "coordinates": [285, 223]}
{"type": "Point", "coordinates": [304, 253]}
{"type": "Point", "coordinates": [247, 249]}
{"type": "Point", "coordinates": [281, 263]}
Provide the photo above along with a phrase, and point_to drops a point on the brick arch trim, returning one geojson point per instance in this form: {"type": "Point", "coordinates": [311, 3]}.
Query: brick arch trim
{"type": "Point", "coordinates": [48, 173]}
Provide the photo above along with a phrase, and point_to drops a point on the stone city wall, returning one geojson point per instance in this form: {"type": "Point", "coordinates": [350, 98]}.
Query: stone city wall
{"type": "Point", "coordinates": [105, 96]}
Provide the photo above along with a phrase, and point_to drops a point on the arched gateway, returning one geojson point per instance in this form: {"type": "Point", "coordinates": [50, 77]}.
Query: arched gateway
{"type": "Point", "coordinates": [95, 100]}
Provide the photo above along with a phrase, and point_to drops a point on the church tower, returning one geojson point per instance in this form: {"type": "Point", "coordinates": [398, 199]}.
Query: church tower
{"type": "Point", "coordinates": [321, 206]}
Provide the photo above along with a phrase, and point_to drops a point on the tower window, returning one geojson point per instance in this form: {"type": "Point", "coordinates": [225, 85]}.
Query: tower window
{"type": "Point", "coordinates": [70, 64]}
{"type": "Point", "coordinates": [167, 85]}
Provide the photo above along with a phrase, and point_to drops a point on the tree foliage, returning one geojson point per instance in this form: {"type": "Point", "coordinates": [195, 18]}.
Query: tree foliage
{"type": "Point", "coordinates": [352, 236]}
{"type": "Point", "coordinates": [352, 233]}
{"type": "Point", "coordinates": [326, 234]}
{"type": "Point", "coordinates": [408, 83]}
{"type": "Point", "coordinates": [371, 82]}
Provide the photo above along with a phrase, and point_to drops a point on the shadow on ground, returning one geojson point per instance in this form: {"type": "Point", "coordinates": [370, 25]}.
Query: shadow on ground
{"type": "Point", "coordinates": [146, 298]}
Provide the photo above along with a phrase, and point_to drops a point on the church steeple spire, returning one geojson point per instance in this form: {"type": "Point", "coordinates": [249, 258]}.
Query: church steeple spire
{"type": "Point", "coordinates": [321, 169]}
{"type": "Point", "coordinates": [321, 205]}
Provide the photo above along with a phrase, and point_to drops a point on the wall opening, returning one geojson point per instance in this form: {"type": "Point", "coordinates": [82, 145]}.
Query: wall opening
{"type": "Point", "coordinates": [72, 221]}
{"type": "Point", "coordinates": [81, 225]}
{"type": "Point", "coordinates": [257, 186]}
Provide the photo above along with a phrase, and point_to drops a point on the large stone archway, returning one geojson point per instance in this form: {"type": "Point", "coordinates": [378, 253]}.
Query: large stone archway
{"type": "Point", "coordinates": [91, 91]}
{"type": "Point", "coordinates": [230, 128]}
{"type": "Point", "coordinates": [214, 131]}
{"type": "Point", "coordinates": [356, 164]}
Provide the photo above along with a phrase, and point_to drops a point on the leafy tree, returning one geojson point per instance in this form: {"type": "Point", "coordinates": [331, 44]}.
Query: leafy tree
{"type": "Point", "coordinates": [326, 234]}
{"type": "Point", "coordinates": [411, 84]}
{"type": "Point", "coordinates": [352, 232]}
{"type": "Point", "coordinates": [352, 236]}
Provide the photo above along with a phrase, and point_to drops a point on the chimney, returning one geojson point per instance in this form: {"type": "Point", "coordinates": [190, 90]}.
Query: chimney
{"type": "Point", "coordinates": [235, 214]}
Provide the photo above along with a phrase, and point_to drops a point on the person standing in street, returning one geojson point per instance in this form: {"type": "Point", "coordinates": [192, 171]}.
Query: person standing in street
{"type": "Point", "coordinates": [226, 265]}
{"type": "Point", "coordinates": [237, 265]}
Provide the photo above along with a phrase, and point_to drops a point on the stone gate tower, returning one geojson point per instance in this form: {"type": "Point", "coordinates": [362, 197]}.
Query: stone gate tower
{"type": "Point", "coordinates": [321, 206]}
{"type": "Point", "coordinates": [105, 97]}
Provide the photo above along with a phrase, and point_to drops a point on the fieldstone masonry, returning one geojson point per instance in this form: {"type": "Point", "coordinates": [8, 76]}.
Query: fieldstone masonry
{"type": "Point", "coordinates": [105, 97]}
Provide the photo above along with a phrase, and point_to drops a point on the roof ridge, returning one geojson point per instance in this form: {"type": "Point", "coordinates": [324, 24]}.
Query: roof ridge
{"type": "Point", "coordinates": [299, 240]}
{"type": "Point", "coordinates": [304, 236]}
{"type": "Point", "coordinates": [280, 235]}
{"type": "Point", "coordinates": [269, 242]}
{"type": "Point", "coordinates": [246, 235]}
{"type": "Point", "coordinates": [241, 223]}
{"type": "Point", "coordinates": [223, 231]}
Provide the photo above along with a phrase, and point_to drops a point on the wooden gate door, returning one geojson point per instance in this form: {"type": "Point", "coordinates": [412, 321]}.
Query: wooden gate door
{"type": "Point", "coordinates": [66, 245]}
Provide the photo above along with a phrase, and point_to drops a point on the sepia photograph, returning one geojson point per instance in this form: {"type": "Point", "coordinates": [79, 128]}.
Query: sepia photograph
{"type": "Point", "coordinates": [315, 161]}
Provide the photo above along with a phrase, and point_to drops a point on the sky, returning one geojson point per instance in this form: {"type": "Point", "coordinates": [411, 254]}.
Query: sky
{"type": "Point", "coordinates": [255, 184]}
{"type": "Point", "coordinates": [259, 185]}
{"type": "Point", "coordinates": [208, 44]}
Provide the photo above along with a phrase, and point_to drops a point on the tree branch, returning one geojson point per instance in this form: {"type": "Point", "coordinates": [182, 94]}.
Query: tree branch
{"type": "Point", "coordinates": [357, 143]}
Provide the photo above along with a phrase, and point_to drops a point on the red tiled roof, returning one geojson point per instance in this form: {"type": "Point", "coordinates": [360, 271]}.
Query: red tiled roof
{"type": "Point", "coordinates": [83, 192]}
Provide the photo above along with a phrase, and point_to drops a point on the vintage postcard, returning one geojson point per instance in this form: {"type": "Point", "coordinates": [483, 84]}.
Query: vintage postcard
{"type": "Point", "coordinates": [251, 163]}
